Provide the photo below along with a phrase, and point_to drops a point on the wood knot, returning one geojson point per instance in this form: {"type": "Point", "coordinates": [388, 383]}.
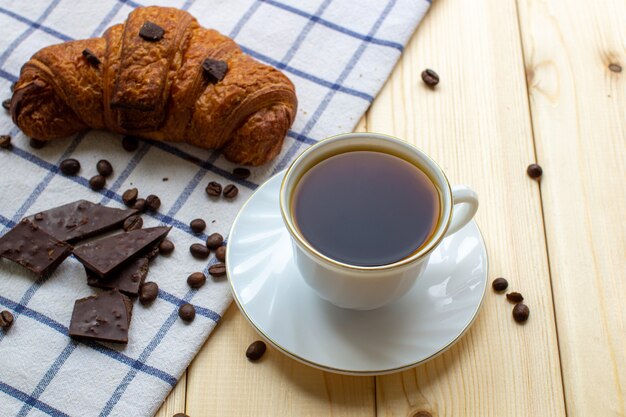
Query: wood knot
{"type": "Point", "coordinates": [422, 414]}
{"type": "Point", "coordinates": [615, 67]}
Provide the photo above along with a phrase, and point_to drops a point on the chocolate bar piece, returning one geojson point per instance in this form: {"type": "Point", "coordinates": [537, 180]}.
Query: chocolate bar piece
{"type": "Point", "coordinates": [103, 256]}
{"type": "Point", "coordinates": [128, 279]}
{"type": "Point", "coordinates": [79, 220]}
{"type": "Point", "coordinates": [104, 317]}
{"type": "Point", "coordinates": [34, 249]}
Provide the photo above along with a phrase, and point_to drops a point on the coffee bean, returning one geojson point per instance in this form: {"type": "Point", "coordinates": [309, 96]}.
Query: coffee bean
{"type": "Point", "coordinates": [196, 280]}
{"type": "Point", "coordinates": [199, 251]}
{"type": "Point", "coordinates": [515, 297]}
{"type": "Point", "coordinates": [521, 312]}
{"type": "Point", "coordinates": [214, 189]}
{"type": "Point", "coordinates": [500, 284]}
{"type": "Point", "coordinates": [133, 223]}
{"type": "Point", "coordinates": [148, 292]}
{"type": "Point", "coordinates": [166, 247]}
{"type": "Point", "coordinates": [6, 319]}
{"type": "Point", "coordinates": [180, 415]}
{"type": "Point", "coordinates": [153, 202]}
{"type": "Point", "coordinates": [139, 205]}
{"type": "Point", "coordinates": [130, 143]}
{"type": "Point", "coordinates": [154, 252]}
{"type": "Point", "coordinates": [534, 171]}
{"type": "Point", "coordinates": [7, 104]}
{"type": "Point", "coordinates": [256, 350]}
{"type": "Point", "coordinates": [187, 312]}
{"type": "Point", "coordinates": [217, 270]}
{"type": "Point", "coordinates": [430, 77]}
{"type": "Point", "coordinates": [231, 191]}
{"type": "Point", "coordinates": [197, 225]}
{"type": "Point", "coordinates": [241, 173]}
{"type": "Point", "coordinates": [165, 179]}
{"type": "Point", "coordinates": [130, 196]}
{"type": "Point", "coordinates": [615, 67]}
{"type": "Point", "coordinates": [104, 168]}
{"type": "Point", "coordinates": [214, 241]}
{"type": "Point", "coordinates": [70, 166]}
{"type": "Point", "coordinates": [97, 182]}
{"type": "Point", "coordinates": [220, 253]}
{"type": "Point", "coordinates": [5, 141]}
{"type": "Point", "coordinates": [151, 32]}
{"type": "Point", "coordinates": [37, 144]}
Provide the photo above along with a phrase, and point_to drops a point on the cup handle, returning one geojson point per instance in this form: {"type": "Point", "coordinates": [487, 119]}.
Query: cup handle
{"type": "Point", "coordinates": [465, 205]}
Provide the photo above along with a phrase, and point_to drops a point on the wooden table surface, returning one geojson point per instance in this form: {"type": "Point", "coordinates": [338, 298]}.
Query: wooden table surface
{"type": "Point", "coordinates": [521, 82]}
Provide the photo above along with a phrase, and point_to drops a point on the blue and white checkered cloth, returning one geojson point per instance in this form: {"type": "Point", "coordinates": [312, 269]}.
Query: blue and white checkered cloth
{"type": "Point", "coordinates": [338, 53]}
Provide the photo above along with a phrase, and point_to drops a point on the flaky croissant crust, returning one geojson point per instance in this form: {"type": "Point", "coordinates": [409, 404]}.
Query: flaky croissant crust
{"type": "Point", "coordinates": [157, 89]}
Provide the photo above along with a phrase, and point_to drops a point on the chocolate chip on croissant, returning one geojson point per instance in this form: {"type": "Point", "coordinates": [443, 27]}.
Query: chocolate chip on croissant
{"type": "Point", "coordinates": [159, 76]}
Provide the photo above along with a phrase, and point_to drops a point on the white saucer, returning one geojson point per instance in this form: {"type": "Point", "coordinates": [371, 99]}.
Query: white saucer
{"type": "Point", "coordinates": [273, 296]}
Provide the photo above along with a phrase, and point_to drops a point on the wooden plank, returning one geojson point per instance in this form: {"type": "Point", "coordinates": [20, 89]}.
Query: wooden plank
{"type": "Point", "coordinates": [223, 383]}
{"type": "Point", "coordinates": [578, 107]}
{"type": "Point", "coordinates": [476, 124]}
{"type": "Point", "coordinates": [175, 402]}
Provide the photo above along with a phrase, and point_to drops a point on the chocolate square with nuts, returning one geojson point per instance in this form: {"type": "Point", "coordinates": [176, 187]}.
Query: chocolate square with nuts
{"type": "Point", "coordinates": [104, 317]}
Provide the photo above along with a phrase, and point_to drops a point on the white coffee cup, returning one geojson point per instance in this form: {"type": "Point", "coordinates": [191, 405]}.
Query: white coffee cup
{"type": "Point", "coordinates": [370, 287]}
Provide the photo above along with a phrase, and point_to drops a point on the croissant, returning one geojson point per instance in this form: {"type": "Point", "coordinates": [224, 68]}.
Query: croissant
{"type": "Point", "coordinates": [159, 76]}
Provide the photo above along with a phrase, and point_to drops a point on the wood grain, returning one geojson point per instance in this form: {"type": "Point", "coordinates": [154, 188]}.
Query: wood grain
{"type": "Point", "coordinates": [175, 402]}
{"type": "Point", "coordinates": [223, 383]}
{"type": "Point", "coordinates": [476, 123]}
{"type": "Point", "coordinates": [578, 106]}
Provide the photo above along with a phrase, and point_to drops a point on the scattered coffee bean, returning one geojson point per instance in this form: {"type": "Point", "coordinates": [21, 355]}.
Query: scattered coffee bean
{"type": "Point", "coordinates": [615, 67]}
{"type": "Point", "coordinates": [97, 182]}
{"type": "Point", "coordinates": [140, 205]}
{"type": "Point", "coordinates": [130, 143]}
{"type": "Point", "coordinates": [220, 253]}
{"type": "Point", "coordinates": [154, 252]}
{"type": "Point", "coordinates": [196, 280]}
{"type": "Point", "coordinates": [165, 179]}
{"type": "Point", "coordinates": [180, 415]}
{"type": "Point", "coordinates": [153, 202]}
{"type": "Point", "coordinates": [5, 141]}
{"type": "Point", "coordinates": [534, 171]}
{"type": "Point", "coordinates": [130, 196]}
{"type": "Point", "coordinates": [166, 247]}
{"type": "Point", "coordinates": [217, 270]}
{"type": "Point", "coordinates": [199, 251]}
{"type": "Point", "coordinates": [430, 77]}
{"type": "Point", "coordinates": [500, 284]}
{"type": "Point", "coordinates": [91, 58]}
{"type": "Point", "coordinates": [187, 312]}
{"type": "Point", "coordinates": [104, 168]}
{"type": "Point", "coordinates": [37, 144]}
{"type": "Point", "coordinates": [214, 189]}
{"type": "Point", "coordinates": [6, 319]}
{"type": "Point", "coordinates": [148, 292]}
{"type": "Point", "coordinates": [256, 350]}
{"type": "Point", "coordinates": [70, 166]}
{"type": "Point", "coordinates": [151, 32]}
{"type": "Point", "coordinates": [515, 297]}
{"type": "Point", "coordinates": [197, 225]}
{"type": "Point", "coordinates": [521, 312]}
{"type": "Point", "coordinates": [133, 223]}
{"type": "Point", "coordinates": [241, 173]}
{"type": "Point", "coordinates": [7, 104]}
{"type": "Point", "coordinates": [214, 241]}
{"type": "Point", "coordinates": [231, 191]}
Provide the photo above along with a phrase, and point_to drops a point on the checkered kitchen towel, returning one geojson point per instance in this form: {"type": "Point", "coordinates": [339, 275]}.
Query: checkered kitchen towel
{"type": "Point", "coordinates": [338, 53]}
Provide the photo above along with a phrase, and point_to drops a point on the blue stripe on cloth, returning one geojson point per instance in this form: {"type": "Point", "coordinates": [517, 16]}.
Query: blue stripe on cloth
{"type": "Point", "coordinates": [244, 19]}
{"type": "Point", "coordinates": [335, 26]}
{"type": "Point", "coordinates": [328, 97]}
{"type": "Point", "coordinates": [105, 350]}
{"type": "Point", "coordinates": [206, 312]}
{"type": "Point", "coordinates": [33, 25]}
{"type": "Point", "coordinates": [47, 378]}
{"type": "Point", "coordinates": [7, 76]}
{"type": "Point", "coordinates": [304, 32]}
{"type": "Point", "coordinates": [5, 221]}
{"type": "Point", "coordinates": [25, 398]}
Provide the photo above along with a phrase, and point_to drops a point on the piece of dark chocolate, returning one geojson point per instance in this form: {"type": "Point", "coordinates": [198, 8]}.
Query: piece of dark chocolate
{"type": "Point", "coordinates": [79, 220]}
{"type": "Point", "coordinates": [33, 248]}
{"type": "Point", "coordinates": [151, 32]}
{"type": "Point", "coordinates": [128, 279]}
{"type": "Point", "coordinates": [104, 317]}
{"type": "Point", "coordinates": [214, 70]}
{"type": "Point", "coordinates": [91, 57]}
{"type": "Point", "coordinates": [106, 255]}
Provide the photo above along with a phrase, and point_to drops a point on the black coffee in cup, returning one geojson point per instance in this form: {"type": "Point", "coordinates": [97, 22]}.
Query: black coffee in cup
{"type": "Point", "coordinates": [366, 208]}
